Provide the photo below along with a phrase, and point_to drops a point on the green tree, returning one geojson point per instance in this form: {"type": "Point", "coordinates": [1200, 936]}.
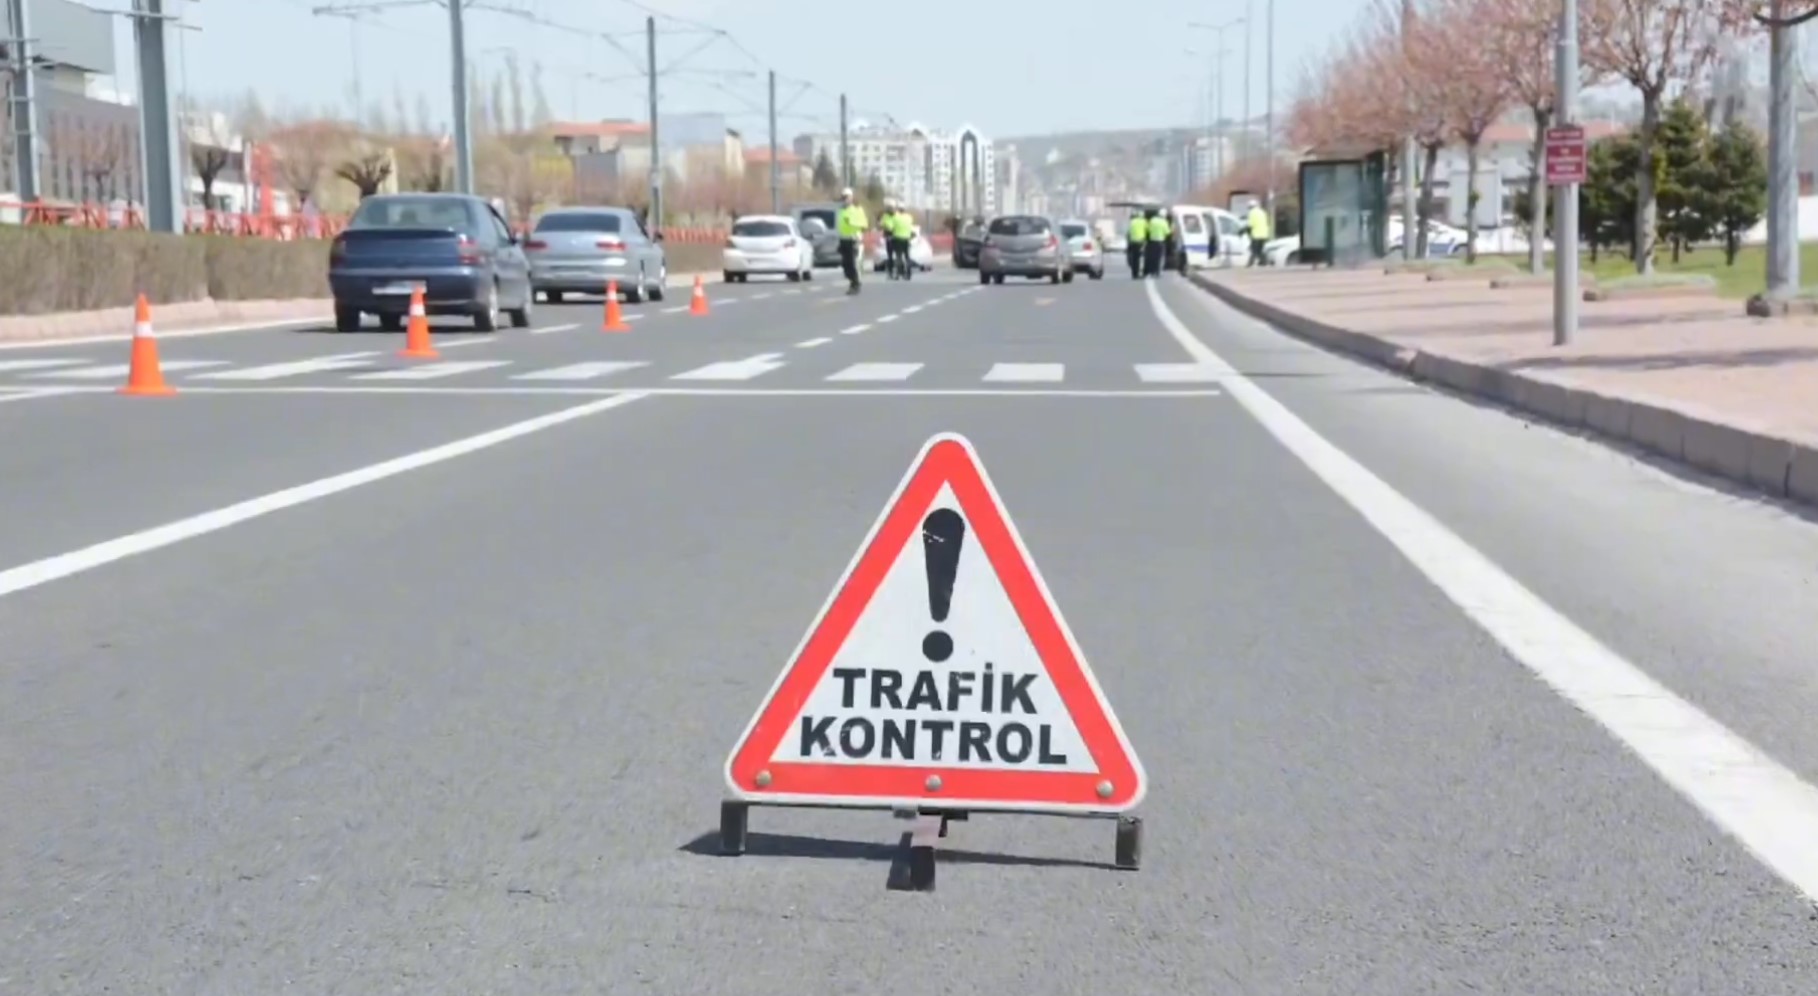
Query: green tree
{"type": "Point", "coordinates": [1681, 157]}
{"type": "Point", "coordinates": [1736, 185]}
{"type": "Point", "coordinates": [1606, 200]}
{"type": "Point", "coordinates": [826, 179]}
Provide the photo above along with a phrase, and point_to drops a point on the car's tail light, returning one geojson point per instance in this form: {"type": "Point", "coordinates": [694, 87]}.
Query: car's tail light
{"type": "Point", "coordinates": [1087, 245]}
{"type": "Point", "coordinates": [611, 245]}
{"type": "Point", "coordinates": [1052, 241]}
{"type": "Point", "coordinates": [788, 243]}
{"type": "Point", "coordinates": [468, 249]}
{"type": "Point", "coordinates": [337, 251]}
{"type": "Point", "coordinates": [535, 245]}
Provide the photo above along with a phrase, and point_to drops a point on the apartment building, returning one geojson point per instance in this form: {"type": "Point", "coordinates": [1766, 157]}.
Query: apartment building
{"type": "Point", "coordinates": [88, 138]}
{"type": "Point", "coordinates": [930, 170]}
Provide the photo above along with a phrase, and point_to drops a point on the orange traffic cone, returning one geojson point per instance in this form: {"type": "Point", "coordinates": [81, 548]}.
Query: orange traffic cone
{"type": "Point", "coordinates": [698, 306]}
{"type": "Point", "coordinates": [145, 375]}
{"type": "Point", "coordinates": [615, 322]}
{"type": "Point", "coordinates": [416, 334]}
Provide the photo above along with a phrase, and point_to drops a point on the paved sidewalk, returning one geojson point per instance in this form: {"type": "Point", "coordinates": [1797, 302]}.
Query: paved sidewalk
{"type": "Point", "coordinates": [1687, 378]}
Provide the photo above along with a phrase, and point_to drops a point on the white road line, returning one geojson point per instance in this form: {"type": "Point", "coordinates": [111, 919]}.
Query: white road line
{"type": "Point", "coordinates": [179, 334]}
{"type": "Point", "coordinates": [760, 297]}
{"type": "Point", "coordinates": [1026, 373]}
{"type": "Point", "coordinates": [120, 369]}
{"type": "Point", "coordinates": [887, 319]}
{"type": "Point", "coordinates": [745, 369]}
{"type": "Point", "coordinates": [1177, 373]}
{"type": "Point", "coordinates": [294, 368]}
{"type": "Point", "coordinates": [583, 371]}
{"type": "Point", "coordinates": [678, 309]}
{"type": "Point", "coordinates": [13, 366]}
{"type": "Point", "coordinates": [547, 329]}
{"type": "Point", "coordinates": [704, 392]}
{"type": "Point", "coordinates": [433, 371]}
{"type": "Point", "coordinates": [811, 343]}
{"type": "Point", "coordinates": [855, 329]}
{"type": "Point", "coordinates": [39, 572]}
{"type": "Point", "coordinates": [34, 393]}
{"type": "Point", "coordinates": [1738, 786]}
{"type": "Point", "coordinates": [912, 309]}
{"type": "Point", "coordinates": [877, 371]}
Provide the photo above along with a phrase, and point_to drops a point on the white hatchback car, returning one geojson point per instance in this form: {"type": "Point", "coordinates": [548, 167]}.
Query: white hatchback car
{"type": "Point", "coordinates": [767, 243]}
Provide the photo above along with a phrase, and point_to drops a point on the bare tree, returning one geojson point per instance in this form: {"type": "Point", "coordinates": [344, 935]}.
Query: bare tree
{"type": "Point", "coordinates": [304, 152]}
{"type": "Point", "coordinates": [1468, 79]}
{"type": "Point", "coordinates": [1655, 46]}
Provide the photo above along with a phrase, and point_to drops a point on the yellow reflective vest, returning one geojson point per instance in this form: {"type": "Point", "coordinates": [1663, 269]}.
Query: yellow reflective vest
{"type": "Point", "coordinates": [1259, 223]}
{"type": "Point", "coordinates": [1139, 229]}
{"type": "Point", "coordinates": [1159, 229]}
{"type": "Point", "coordinates": [852, 221]}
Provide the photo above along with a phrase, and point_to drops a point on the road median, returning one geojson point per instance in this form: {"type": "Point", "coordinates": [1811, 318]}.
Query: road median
{"type": "Point", "coordinates": [1682, 378]}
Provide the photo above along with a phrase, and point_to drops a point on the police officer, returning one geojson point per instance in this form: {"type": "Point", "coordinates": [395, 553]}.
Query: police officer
{"type": "Point", "coordinates": [1258, 224]}
{"type": "Point", "coordinates": [1155, 250]}
{"type": "Point", "coordinates": [852, 225]}
{"type": "Point", "coordinates": [1139, 234]}
{"type": "Point", "coordinates": [886, 231]}
{"type": "Point", "coordinates": [905, 234]}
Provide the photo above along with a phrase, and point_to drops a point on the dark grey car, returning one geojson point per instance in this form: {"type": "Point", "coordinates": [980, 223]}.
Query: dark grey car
{"type": "Point", "coordinates": [819, 224]}
{"type": "Point", "coordinates": [455, 248]}
{"type": "Point", "coordinates": [579, 250]}
{"type": "Point", "coordinates": [1023, 245]}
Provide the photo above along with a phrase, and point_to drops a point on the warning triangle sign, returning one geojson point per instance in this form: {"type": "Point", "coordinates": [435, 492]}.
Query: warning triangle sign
{"type": "Point", "coordinates": [939, 673]}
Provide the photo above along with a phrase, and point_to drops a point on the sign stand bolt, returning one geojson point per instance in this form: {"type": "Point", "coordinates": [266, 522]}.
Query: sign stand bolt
{"type": "Point", "coordinates": [1129, 842]}
{"type": "Point", "coordinates": [735, 818]}
{"type": "Point", "coordinates": [1105, 788]}
{"type": "Point", "coordinates": [763, 779]}
{"type": "Point", "coordinates": [933, 784]}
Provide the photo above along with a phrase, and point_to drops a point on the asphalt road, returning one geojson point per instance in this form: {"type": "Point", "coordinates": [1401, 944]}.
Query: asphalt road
{"type": "Point", "coordinates": [324, 684]}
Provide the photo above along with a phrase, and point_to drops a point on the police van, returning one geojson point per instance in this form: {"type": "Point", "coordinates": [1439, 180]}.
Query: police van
{"type": "Point", "coordinates": [1202, 227]}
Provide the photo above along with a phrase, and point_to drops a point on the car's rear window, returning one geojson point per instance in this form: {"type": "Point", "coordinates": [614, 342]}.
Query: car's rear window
{"type": "Point", "coordinates": [579, 221]}
{"type": "Point", "coordinates": [412, 212]}
{"type": "Point", "coordinates": [760, 229]}
{"type": "Point", "coordinates": [1019, 225]}
{"type": "Point", "coordinates": [1074, 231]}
{"type": "Point", "coordinates": [1191, 224]}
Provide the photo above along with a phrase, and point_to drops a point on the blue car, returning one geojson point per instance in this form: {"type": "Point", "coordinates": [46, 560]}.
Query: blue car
{"type": "Point", "coordinates": [455, 247]}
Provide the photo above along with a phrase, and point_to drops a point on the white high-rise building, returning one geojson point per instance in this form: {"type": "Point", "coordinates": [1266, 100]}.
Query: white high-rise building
{"type": "Point", "coordinates": [918, 165]}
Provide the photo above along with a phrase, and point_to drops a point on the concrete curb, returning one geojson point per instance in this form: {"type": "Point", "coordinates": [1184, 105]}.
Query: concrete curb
{"type": "Point", "coordinates": [1748, 456]}
{"type": "Point", "coordinates": [175, 316]}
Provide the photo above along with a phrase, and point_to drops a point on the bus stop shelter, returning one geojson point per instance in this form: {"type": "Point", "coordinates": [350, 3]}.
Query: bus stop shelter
{"type": "Point", "coordinates": [1344, 198]}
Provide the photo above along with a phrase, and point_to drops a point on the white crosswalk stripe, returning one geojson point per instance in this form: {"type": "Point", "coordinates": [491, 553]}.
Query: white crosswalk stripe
{"type": "Point", "coordinates": [1026, 373]}
{"type": "Point", "coordinates": [15, 366]}
{"type": "Point", "coordinates": [1176, 373]}
{"type": "Point", "coordinates": [295, 368]}
{"type": "Point", "coordinates": [433, 371]}
{"type": "Point", "coordinates": [745, 369]}
{"type": "Point", "coordinates": [583, 371]}
{"type": "Point", "coordinates": [877, 371]}
{"type": "Point", "coordinates": [120, 369]}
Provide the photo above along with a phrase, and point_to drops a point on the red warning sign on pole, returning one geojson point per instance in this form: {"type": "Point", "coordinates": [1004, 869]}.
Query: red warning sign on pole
{"type": "Point", "coordinates": [939, 673]}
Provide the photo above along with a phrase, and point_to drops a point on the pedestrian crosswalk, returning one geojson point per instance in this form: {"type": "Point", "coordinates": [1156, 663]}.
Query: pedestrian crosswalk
{"type": "Point", "coordinates": [380, 369]}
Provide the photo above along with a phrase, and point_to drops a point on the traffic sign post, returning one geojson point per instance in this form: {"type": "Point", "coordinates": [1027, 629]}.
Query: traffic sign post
{"type": "Point", "coordinates": [939, 680]}
{"type": "Point", "coordinates": [1566, 155]}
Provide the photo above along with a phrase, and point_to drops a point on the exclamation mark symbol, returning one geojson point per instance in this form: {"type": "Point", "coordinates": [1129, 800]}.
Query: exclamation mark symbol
{"type": "Point", "coordinates": [943, 533]}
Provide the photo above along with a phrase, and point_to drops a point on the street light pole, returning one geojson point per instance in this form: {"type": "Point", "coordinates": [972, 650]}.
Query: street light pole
{"type": "Point", "coordinates": [1783, 154]}
{"type": "Point", "coordinates": [1565, 209]}
{"type": "Point", "coordinates": [24, 111]}
{"type": "Point", "coordinates": [1269, 124]}
{"type": "Point", "coordinates": [1249, 73]}
{"type": "Point", "coordinates": [776, 190]}
{"type": "Point", "coordinates": [463, 138]}
{"type": "Point", "coordinates": [1410, 220]}
{"type": "Point", "coordinates": [656, 144]}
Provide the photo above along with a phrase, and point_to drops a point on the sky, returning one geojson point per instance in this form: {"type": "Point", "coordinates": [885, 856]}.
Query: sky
{"type": "Point", "coordinates": [1005, 67]}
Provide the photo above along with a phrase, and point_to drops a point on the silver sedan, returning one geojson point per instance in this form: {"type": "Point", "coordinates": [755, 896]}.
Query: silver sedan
{"type": "Point", "coordinates": [1084, 253]}
{"type": "Point", "coordinates": [580, 250]}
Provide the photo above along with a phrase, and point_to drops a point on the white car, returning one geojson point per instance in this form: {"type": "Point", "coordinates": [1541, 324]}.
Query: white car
{"type": "Point", "coordinates": [921, 254]}
{"type": "Point", "coordinates": [767, 244]}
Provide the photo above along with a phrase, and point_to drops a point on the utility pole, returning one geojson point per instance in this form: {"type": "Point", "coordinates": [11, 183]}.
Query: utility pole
{"type": "Point", "coordinates": [1410, 220]}
{"type": "Point", "coordinates": [463, 137]}
{"type": "Point", "coordinates": [1248, 73]}
{"type": "Point", "coordinates": [1269, 123]}
{"type": "Point", "coordinates": [25, 104]}
{"type": "Point", "coordinates": [656, 144]}
{"type": "Point", "coordinates": [164, 200]}
{"type": "Point", "coordinates": [1565, 209]}
{"type": "Point", "coordinates": [1783, 154]}
{"type": "Point", "coordinates": [776, 189]}
{"type": "Point", "coordinates": [845, 148]}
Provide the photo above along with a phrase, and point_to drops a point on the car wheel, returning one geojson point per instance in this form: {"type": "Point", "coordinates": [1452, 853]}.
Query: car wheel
{"type": "Point", "coordinates": [347, 319]}
{"type": "Point", "coordinates": [658, 289]}
{"type": "Point", "coordinates": [794, 277]}
{"type": "Point", "coordinates": [553, 297]}
{"type": "Point", "coordinates": [998, 280]}
{"type": "Point", "coordinates": [983, 277]}
{"type": "Point", "coordinates": [486, 319]}
{"type": "Point", "coordinates": [1055, 277]}
{"type": "Point", "coordinates": [1097, 274]}
{"type": "Point", "coordinates": [808, 274]}
{"type": "Point", "coordinates": [1068, 277]}
{"type": "Point", "coordinates": [390, 323]}
{"type": "Point", "coordinates": [521, 317]}
{"type": "Point", "coordinates": [727, 277]}
{"type": "Point", "coordinates": [634, 294]}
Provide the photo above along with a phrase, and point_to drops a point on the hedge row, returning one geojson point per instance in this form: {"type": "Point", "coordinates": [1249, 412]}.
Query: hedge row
{"type": "Point", "coordinates": [51, 268]}
{"type": "Point", "coordinates": [47, 269]}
